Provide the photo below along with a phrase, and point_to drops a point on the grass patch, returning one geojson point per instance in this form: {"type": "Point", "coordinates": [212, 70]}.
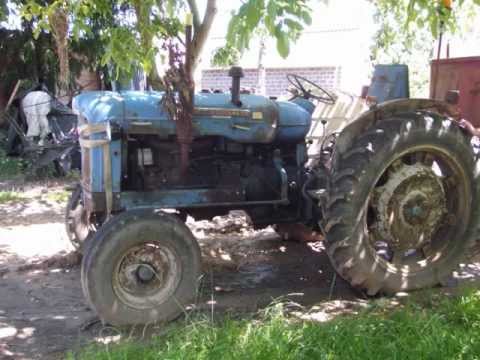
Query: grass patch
{"type": "Point", "coordinates": [10, 166]}
{"type": "Point", "coordinates": [73, 175]}
{"type": "Point", "coordinates": [9, 196]}
{"type": "Point", "coordinates": [440, 328]}
{"type": "Point", "coordinates": [61, 196]}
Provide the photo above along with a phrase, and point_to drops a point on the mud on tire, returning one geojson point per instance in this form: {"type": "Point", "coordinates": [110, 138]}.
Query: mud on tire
{"type": "Point", "coordinates": [380, 193]}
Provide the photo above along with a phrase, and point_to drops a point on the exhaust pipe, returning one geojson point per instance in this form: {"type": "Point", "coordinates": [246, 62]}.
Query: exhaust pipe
{"type": "Point", "coordinates": [236, 73]}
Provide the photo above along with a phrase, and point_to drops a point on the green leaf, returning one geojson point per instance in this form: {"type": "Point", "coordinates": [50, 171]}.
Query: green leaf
{"type": "Point", "coordinates": [232, 32]}
{"type": "Point", "coordinates": [307, 18]}
{"type": "Point", "coordinates": [254, 13]}
{"type": "Point", "coordinates": [420, 23]}
{"type": "Point", "coordinates": [3, 10]}
{"type": "Point", "coordinates": [283, 44]}
{"type": "Point", "coordinates": [225, 56]}
{"type": "Point", "coordinates": [434, 27]}
{"type": "Point", "coordinates": [293, 25]}
{"type": "Point", "coordinates": [171, 4]}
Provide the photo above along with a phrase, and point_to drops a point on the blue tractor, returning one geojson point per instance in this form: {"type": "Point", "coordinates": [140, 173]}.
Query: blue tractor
{"type": "Point", "coordinates": [394, 192]}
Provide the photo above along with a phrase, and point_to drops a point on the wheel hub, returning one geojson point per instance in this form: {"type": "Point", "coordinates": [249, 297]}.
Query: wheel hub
{"type": "Point", "coordinates": [409, 207]}
{"type": "Point", "coordinates": [146, 275]}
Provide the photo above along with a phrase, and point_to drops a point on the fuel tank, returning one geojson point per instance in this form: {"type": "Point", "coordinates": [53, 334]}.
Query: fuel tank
{"type": "Point", "coordinates": [257, 120]}
{"type": "Point", "coordinates": [294, 121]}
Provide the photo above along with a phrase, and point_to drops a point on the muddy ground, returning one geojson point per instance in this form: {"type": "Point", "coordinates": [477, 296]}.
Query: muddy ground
{"type": "Point", "coordinates": [42, 310]}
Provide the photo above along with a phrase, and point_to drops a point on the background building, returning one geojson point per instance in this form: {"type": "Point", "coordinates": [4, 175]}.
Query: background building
{"type": "Point", "coordinates": [276, 82]}
{"type": "Point", "coordinates": [334, 51]}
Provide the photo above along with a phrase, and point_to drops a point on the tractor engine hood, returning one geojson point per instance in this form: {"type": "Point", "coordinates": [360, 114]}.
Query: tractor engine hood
{"type": "Point", "coordinates": [257, 120]}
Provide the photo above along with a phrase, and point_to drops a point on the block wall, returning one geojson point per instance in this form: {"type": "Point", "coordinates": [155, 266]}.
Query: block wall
{"type": "Point", "coordinates": [276, 78]}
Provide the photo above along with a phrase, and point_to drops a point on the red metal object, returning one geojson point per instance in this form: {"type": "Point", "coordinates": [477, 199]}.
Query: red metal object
{"type": "Point", "coordinates": [298, 232]}
{"type": "Point", "coordinates": [462, 74]}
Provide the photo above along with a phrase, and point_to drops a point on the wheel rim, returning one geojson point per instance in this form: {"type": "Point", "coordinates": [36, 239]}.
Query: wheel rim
{"type": "Point", "coordinates": [417, 208]}
{"type": "Point", "coordinates": [146, 275]}
{"type": "Point", "coordinates": [77, 223]}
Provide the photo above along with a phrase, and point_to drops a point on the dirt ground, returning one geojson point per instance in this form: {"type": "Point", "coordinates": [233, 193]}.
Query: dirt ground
{"type": "Point", "coordinates": [42, 310]}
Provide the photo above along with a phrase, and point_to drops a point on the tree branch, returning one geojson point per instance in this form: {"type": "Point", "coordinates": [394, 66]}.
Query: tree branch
{"type": "Point", "coordinates": [192, 4]}
{"type": "Point", "coordinates": [201, 35]}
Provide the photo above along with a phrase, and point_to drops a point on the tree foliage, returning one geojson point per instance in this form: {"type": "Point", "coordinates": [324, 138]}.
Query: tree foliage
{"type": "Point", "coordinates": [280, 19]}
{"type": "Point", "coordinates": [130, 33]}
{"type": "Point", "coordinates": [132, 28]}
{"type": "Point", "coordinates": [407, 30]}
{"type": "Point", "coordinates": [406, 17]}
{"type": "Point", "coordinates": [23, 56]}
{"type": "Point", "coordinates": [3, 10]}
{"type": "Point", "coordinates": [127, 30]}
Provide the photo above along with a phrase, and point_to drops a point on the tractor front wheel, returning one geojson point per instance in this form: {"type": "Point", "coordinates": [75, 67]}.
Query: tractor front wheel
{"type": "Point", "coordinates": [401, 204]}
{"type": "Point", "coordinates": [76, 222]}
{"type": "Point", "coordinates": [141, 267]}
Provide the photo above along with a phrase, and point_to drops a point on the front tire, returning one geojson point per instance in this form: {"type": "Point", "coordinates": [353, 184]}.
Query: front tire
{"type": "Point", "coordinates": [76, 222]}
{"type": "Point", "coordinates": [141, 267]}
{"type": "Point", "coordinates": [401, 200]}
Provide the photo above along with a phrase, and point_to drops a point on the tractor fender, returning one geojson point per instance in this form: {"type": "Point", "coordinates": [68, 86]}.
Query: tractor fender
{"type": "Point", "coordinates": [387, 110]}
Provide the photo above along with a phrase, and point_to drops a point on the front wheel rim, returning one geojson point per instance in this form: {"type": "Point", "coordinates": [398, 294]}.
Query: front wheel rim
{"type": "Point", "coordinates": [77, 222]}
{"type": "Point", "coordinates": [146, 275]}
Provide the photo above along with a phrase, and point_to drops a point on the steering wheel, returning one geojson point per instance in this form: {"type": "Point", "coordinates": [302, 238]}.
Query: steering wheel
{"type": "Point", "coordinates": [307, 89]}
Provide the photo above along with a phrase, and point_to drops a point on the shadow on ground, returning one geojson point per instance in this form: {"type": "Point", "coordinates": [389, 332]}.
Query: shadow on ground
{"type": "Point", "coordinates": [43, 312]}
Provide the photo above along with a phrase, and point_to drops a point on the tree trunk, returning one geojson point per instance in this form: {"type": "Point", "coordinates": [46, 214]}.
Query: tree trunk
{"type": "Point", "coordinates": [179, 84]}
{"type": "Point", "coordinates": [59, 23]}
{"type": "Point", "coordinates": [262, 73]}
{"type": "Point", "coordinates": [142, 12]}
{"type": "Point", "coordinates": [154, 79]}
{"type": "Point", "coordinates": [202, 29]}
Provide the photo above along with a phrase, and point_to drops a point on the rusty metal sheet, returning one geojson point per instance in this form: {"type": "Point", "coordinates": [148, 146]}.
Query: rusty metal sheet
{"type": "Point", "coordinates": [462, 74]}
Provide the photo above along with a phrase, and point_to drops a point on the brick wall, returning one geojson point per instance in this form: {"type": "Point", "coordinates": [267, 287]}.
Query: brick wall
{"type": "Point", "coordinates": [276, 78]}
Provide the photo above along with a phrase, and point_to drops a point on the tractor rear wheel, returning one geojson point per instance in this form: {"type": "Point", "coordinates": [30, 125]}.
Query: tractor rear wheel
{"type": "Point", "coordinates": [140, 267]}
{"type": "Point", "coordinates": [401, 202]}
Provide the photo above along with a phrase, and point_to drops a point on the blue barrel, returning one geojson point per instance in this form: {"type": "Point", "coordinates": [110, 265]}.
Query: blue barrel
{"type": "Point", "coordinates": [389, 82]}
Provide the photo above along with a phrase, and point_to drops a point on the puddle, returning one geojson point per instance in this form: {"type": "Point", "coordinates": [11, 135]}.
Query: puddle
{"type": "Point", "coordinates": [246, 277]}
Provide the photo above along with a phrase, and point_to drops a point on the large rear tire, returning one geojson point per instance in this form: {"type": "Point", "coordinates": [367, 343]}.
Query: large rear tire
{"type": "Point", "coordinates": [141, 267]}
{"type": "Point", "coordinates": [401, 201]}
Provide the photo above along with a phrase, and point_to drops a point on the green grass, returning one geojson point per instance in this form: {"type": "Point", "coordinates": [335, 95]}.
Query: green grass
{"type": "Point", "coordinates": [9, 196]}
{"type": "Point", "coordinates": [440, 328]}
{"type": "Point", "coordinates": [60, 196]}
{"type": "Point", "coordinates": [10, 166]}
